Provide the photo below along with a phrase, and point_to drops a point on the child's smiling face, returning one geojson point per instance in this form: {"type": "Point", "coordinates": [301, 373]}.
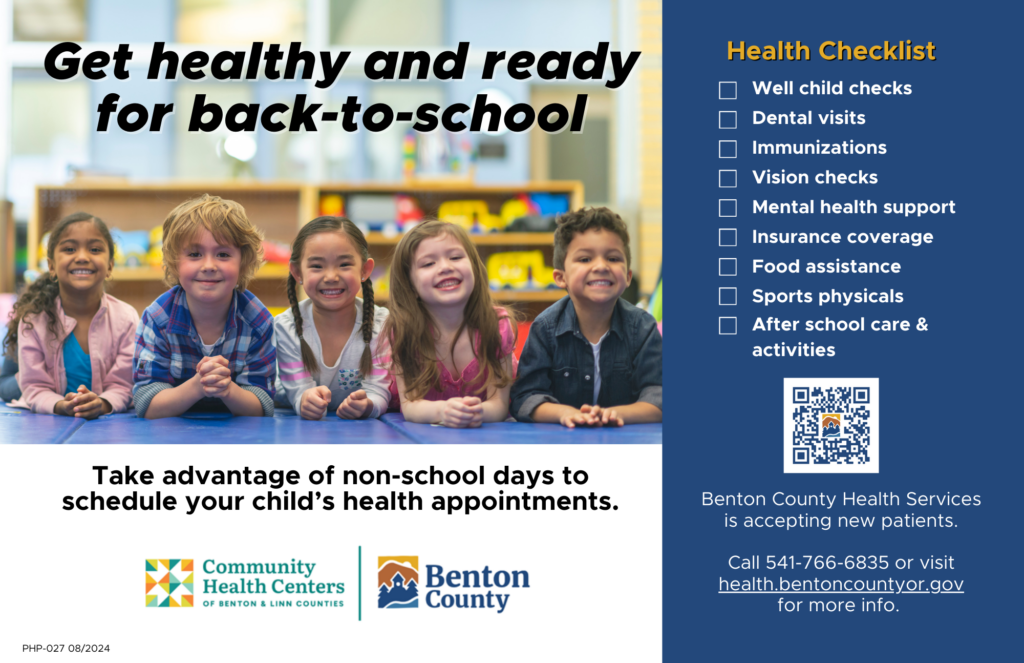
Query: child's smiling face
{"type": "Point", "coordinates": [81, 261]}
{"type": "Point", "coordinates": [332, 270]}
{"type": "Point", "coordinates": [208, 269]}
{"type": "Point", "coordinates": [441, 272]}
{"type": "Point", "coordinates": [595, 268]}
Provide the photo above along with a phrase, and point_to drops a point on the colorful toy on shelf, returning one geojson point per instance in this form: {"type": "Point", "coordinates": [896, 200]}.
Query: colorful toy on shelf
{"type": "Point", "coordinates": [473, 215]}
{"type": "Point", "coordinates": [516, 207]}
{"type": "Point", "coordinates": [130, 247]}
{"type": "Point", "coordinates": [409, 212]}
{"type": "Point", "coordinates": [436, 155]}
{"type": "Point", "coordinates": [409, 154]}
{"type": "Point", "coordinates": [278, 252]}
{"type": "Point", "coordinates": [155, 255]}
{"type": "Point", "coordinates": [372, 211]}
{"type": "Point", "coordinates": [550, 203]}
{"type": "Point", "coordinates": [332, 204]}
{"type": "Point", "coordinates": [519, 270]}
{"type": "Point", "coordinates": [380, 276]}
{"type": "Point", "coordinates": [41, 253]}
{"type": "Point", "coordinates": [534, 212]}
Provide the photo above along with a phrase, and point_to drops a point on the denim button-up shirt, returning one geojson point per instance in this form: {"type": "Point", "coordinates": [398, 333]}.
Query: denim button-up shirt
{"type": "Point", "coordinates": [557, 364]}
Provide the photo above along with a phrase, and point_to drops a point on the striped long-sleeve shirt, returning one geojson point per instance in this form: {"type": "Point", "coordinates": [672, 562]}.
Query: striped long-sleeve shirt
{"type": "Point", "coordinates": [344, 376]}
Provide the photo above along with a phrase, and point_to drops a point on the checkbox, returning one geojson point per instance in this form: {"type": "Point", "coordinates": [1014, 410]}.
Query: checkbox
{"type": "Point", "coordinates": [727, 296]}
{"type": "Point", "coordinates": [727, 266]}
{"type": "Point", "coordinates": [727, 119]}
{"type": "Point", "coordinates": [727, 326]}
{"type": "Point", "coordinates": [727, 149]}
{"type": "Point", "coordinates": [727, 179]}
{"type": "Point", "coordinates": [727, 90]}
{"type": "Point", "coordinates": [727, 237]}
{"type": "Point", "coordinates": [727, 207]}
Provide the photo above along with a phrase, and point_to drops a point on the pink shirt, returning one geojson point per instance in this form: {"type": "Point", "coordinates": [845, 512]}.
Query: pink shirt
{"type": "Point", "coordinates": [41, 373]}
{"type": "Point", "coordinates": [452, 387]}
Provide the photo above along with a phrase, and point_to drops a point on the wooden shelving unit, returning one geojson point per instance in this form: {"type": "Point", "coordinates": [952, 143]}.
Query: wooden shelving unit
{"type": "Point", "coordinates": [491, 239]}
{"type": "Point", "coordinates": [129, 274]}
{"type": "Point", "coordinates": [280, 209]}
{"type": "Point", "coordinates": [430, 195]}
{"type": "Point", "coordinates": [511, 296]}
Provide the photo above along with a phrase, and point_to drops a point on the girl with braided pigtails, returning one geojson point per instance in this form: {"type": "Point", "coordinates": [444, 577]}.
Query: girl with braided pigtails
{"type": "Point", "coordinates": [326, 343]}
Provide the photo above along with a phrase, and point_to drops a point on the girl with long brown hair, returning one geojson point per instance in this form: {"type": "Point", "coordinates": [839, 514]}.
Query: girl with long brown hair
{"type": "Point", "coordinates": [73, 341]}
{"type": "Point", "coordinates": [450, 347]}
{"type": "Point", "coordinates": [325, 343]}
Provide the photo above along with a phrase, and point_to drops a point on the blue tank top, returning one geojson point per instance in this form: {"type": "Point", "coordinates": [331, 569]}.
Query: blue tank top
{"type": "Point", "coordinates": [76, 364]}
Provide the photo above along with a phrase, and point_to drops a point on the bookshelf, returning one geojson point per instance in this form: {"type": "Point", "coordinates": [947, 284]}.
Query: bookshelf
{"type": "Point", "coordinates": [280, 209]}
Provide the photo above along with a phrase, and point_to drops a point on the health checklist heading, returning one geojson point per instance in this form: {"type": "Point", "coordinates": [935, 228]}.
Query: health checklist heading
{"type": "Point", "coordinates": [833, 50]}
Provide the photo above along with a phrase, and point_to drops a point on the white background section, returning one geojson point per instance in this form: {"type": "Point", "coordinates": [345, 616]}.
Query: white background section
{"type": "Point", "coordinates": [74, 577]}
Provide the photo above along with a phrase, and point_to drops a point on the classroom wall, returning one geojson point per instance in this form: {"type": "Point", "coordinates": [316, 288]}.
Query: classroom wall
{"type": "Point", "coordinates": [140, 155]}
{"type": "Point", "coordinates": [530, 24]}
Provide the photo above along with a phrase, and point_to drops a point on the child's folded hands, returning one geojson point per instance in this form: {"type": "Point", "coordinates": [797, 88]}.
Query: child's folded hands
{"type": "Point", "coordinates": [83, 404]}
{"type": "Point", "coordinates": [462, 412]}
{"type": "Point", "coordinates": [214, 376]}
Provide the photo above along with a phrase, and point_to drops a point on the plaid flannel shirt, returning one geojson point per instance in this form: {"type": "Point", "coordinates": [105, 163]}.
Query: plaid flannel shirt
{"type": "Point", "coordinates": [168, 349]}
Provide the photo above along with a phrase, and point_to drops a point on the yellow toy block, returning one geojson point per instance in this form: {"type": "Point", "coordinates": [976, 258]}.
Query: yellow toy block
{"type": "Point", "coordinates": [155, 255]}
{"type": "Point", "coordinates": [332, 205]}
{"type": "Point", "coordinates": [519, 270]}
{"type": "Point", "coordinates": [513, 209]}
{"type": "Point", "coordinates": [466, 213]}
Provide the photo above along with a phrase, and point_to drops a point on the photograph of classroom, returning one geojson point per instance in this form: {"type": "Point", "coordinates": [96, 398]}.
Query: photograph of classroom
{"type": "Point", "coordinates": [504, 189]}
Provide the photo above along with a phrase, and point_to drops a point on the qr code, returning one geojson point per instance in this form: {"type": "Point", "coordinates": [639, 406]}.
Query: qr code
{"type": "Point", "coordinates": [831, 425]}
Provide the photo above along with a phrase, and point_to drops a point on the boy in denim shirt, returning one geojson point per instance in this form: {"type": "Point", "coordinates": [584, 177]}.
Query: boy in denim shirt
{"type": "Point", "coordinates": [592, 359]}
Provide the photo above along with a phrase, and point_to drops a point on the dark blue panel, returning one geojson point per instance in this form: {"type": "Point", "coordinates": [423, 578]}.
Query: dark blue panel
{"type": "Point", "coordinates": [944, 392]}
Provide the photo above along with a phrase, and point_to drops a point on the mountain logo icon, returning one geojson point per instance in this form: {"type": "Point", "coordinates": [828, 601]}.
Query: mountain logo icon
{"type": "Point", "coordinates": [398, 582]}
{"type": "Point", "coordinates": [831, 425]}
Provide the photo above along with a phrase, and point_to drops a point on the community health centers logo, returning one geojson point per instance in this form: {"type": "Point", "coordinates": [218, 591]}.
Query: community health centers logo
{"type": "Point", "coordinates": [398, 580]}
{"type": "Point", "coordinates": [169, 583]}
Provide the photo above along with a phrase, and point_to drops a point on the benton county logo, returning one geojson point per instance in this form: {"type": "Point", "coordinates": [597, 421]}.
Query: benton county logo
{"type": "Point", "coordinates": [169, 583]}
{"type": "Point", "coordinates": [831, 425]}
{"type": "Point", "coordinates": [398, 581]}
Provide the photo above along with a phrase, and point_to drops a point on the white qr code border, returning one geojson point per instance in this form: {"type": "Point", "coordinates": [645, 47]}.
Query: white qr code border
{"type": "Point", "coordinates": [789, 426]}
